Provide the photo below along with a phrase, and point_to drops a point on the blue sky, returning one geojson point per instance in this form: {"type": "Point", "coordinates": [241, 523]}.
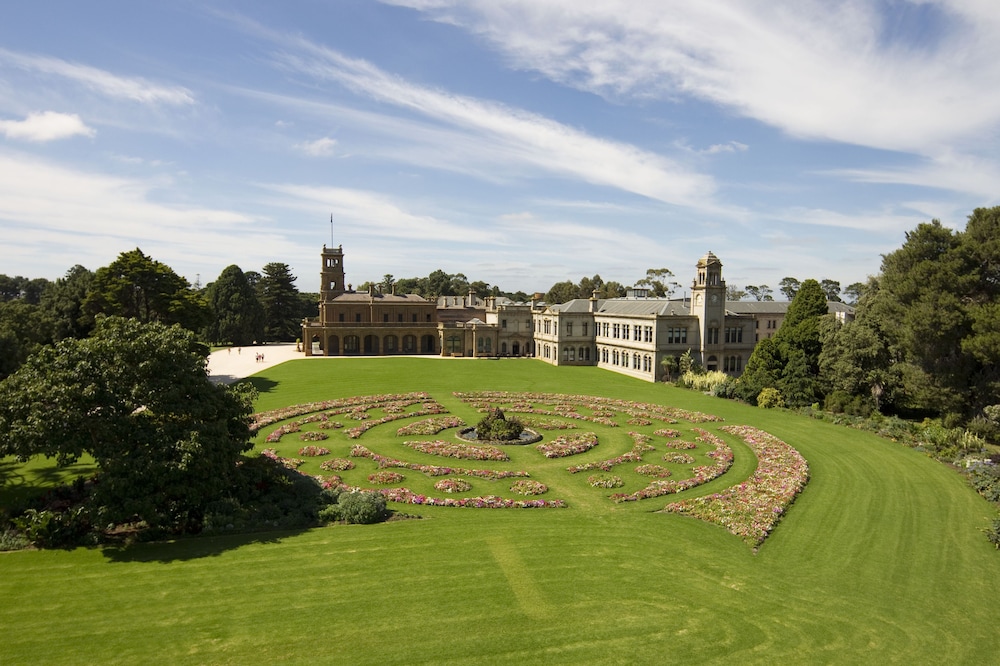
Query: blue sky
{"type": "Point", "coordinates": [520, 142]}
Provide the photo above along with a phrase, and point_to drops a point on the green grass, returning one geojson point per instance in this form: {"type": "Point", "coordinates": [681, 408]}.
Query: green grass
{"type": "Point", "coordinates": [880, 560]}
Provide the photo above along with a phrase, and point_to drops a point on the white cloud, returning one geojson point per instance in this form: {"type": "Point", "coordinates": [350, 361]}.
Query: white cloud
{"type": "Point", "coordinates": [731, 147]}
{"type": "Point", "coordinates": [318, 148]}
{"type": "Point", "coordinates": [505, 134]}
{"type": "Point", "coordinates": [815, 69]}
{"type": "Point", "coordinates": [135, 89]}
{"type": "Point", "coordinates": [45, 126]}
{"type": "Point", "coordinates": [52, 217]}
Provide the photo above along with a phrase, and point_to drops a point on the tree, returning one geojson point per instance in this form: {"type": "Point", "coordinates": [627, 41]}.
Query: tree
{"type": "Point", "coordinates": [853, 292]}
{"type": "Point", "coordinates": [135, 396]}
{"type": "Point", "coordinates": [855, 360]}
{"type": "Point", "coordinates": [789, 286]}
{"type": "Point", "coordinates": [237, 315]}
{"type": "Point", "coordinates": [561, 292]}
{"type": "Point", "coordinates": [760, 293]}
{"type": "Point", "coordinates": [612, 289]}
{"type": "Point", "coordinates": [832, 290]}
{"type": "Point", "coordinates": [658, 280]}
{"type": "Point", "coordinates": [282, 309]}
{"type": "Point", "coordinates": [24, 328]}
{"type": "Point", "coordinates": [734, 293]}
{"type": "Point", "coordinates": [63, 303]}
{"type": "Point", "coordinates": [139, 287]}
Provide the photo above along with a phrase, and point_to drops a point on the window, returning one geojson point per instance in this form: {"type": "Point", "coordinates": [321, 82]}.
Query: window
{"type": "Point", "coordinates": [357, 316]}
{"type": "Point", "coordinates": [351, 344]}
{"type": "Point", "coordinates": [503, 323]}
{"type": "Point", "coordinates": [548, 326]}
{"type": "Point", "coordinates": [391, 344]}
{"type": "Point", "coordinates": [713, 337]}
{"type": "Point", "coordinates": [569, 328]}
{"type": "Point", "coordinates": [453, 344]}
{"type": "Point", "coordinates": [677, 336]}
{"type": "Point", "coordinates": [414, 319]}
{"type": "Point", "coordinates": [341, 316]}
{"type": "Point", "coordinates": [636, 332]}
{"type": "Point", "coordinates": [734, 335]}
{"type": "Point", "coordinates": [616, 331]}
{"type": "Point", "coordinates": [625, 328]}
{"type": "Point", "coordinates": [399, 317]}
{"type": "Point", "coordinates": [385, 318]}
{"type": "Point", "coordinates": [585, 328]}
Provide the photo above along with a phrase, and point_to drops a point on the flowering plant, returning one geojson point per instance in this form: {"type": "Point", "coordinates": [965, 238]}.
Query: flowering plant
{"type": "Point", "coordinates": [568, 445]}
{"type": "Point", "coordinates": [431, 426]}
{"type": "Point", "coordinates": [337, 465]}
{"type": "Point", "coordinates": [314, 436]}
{"type": "Point", "coordinates": [528, 487]}
{"type": "Point", "coordinates": [605, 481]}
{"type": "Point", "coordinates": [385, 477]}
{"type": "Point", "coordinates": [659, 471]}
{"type": "Point", "coordinates": [453, 485]}
{"type": "Point", "coordinates": [458, 450]}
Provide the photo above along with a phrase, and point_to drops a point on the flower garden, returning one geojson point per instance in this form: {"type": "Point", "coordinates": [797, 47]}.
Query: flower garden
{"type": "Point", "coordinates": [668, 452]}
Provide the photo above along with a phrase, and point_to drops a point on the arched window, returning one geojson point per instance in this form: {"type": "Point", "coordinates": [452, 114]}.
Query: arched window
{"type": "Point", "coordinates": [453, 344]}
{"type": "Point", "coordinates": [409, 344]}
{"type": "Point", "coordinates": [352, 345]}
{"type": "Point", "coordinates": [391, 344]}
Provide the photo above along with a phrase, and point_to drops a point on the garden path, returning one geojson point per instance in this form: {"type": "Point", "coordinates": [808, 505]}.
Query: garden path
{"type": "Point", "coordinates": [226, 366]}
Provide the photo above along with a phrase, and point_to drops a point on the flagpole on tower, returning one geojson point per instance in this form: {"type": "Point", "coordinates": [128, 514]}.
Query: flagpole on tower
{"type": "Point", "coordinates": [331, 229]}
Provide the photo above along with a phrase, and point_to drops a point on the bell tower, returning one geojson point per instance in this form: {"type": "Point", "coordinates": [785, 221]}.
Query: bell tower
{"type": "Point", "coordinates": [332, 275]}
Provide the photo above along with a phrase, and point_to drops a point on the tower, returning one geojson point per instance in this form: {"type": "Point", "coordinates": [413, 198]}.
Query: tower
{"type": "Point", "coordinates": [708, 303]}
{"type": "Point", "coordinates": [332, 275]}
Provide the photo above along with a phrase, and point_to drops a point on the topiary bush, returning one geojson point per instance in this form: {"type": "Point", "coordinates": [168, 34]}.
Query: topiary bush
{"type": "Point", "coordinates": [496, 426]}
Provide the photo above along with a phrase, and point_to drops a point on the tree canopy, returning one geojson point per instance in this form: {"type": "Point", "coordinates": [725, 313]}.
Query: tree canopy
{"type": "Point", "coordinates": [237, 315]}
{"type": "Point", "coordinates": [136, 397]}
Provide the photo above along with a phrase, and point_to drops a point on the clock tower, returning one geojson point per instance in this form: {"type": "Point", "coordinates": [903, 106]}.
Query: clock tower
{"type": "Point", "coordinates": [708, 303]}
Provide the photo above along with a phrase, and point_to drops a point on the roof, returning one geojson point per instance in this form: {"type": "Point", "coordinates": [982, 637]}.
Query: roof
{"type": "Point", "coordinates": [365, 297]}
{"type": "Point", "coordinates": [660, 307]}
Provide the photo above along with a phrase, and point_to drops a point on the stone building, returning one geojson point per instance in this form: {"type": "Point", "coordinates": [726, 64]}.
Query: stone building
{"type": "Point", "coordinates": [630, 335]}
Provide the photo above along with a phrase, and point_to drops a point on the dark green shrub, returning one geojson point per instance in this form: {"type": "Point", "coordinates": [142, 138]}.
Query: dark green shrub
{"type": "Point", "coordinates": [330, 514]}
{"type": "Point", "coordinates": [362, 508]}
{"type": "Point", "coordinates": [495, 426]}
{"type": "Point", "coordinates": [993, 533]}
{"type": "Point", "coordinates": [53, 529]}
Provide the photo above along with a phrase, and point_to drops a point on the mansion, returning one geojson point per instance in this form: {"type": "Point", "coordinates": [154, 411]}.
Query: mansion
{"type": "Point", "coordinates": [630, 335]}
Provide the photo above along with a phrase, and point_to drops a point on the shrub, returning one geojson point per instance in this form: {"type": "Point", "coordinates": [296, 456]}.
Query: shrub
{"type": "Point", "coordinates": [362, 508]}
{"type": "Point", "coordinates": [495, 426]}
{"type": "Point", "coordinates": [993, 533]}
{"type": "Point", "coordinates": [703, 381]}
{"type": "Point", "coordinates": [769, 398]}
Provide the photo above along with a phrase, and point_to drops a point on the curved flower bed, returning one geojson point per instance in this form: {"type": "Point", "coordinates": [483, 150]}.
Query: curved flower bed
{"type": "Point", "coordinates": [751, 509]}
{"type": "Point", "coordinates": [359, 451]}
{"type": "Point", "coordinates": [568, 406]}
{"type": "Point", "coordinates": [679, 458]}
{"type": "Point", "coordinates": [431, 426]}
{"type": "Point", "coordinates": [385, 477]}
{"type": "Point", "coordinates": [313, 451]}
{"type": "Point", "coordinates": [365, 426]}
{"type": "Point", "coordinates": [314, 436]}
{"type": "Point", "coordinates": [337, 406]}
{"type": "Point", "coordinates": [568, 445]}
{"type": "Point", "coordinates": [605, 481]}
{"type": "Point", "coordinates": [457, 450]}
{"type": "Point", "coordinates": [546, 423]}
{"type": "Point", "coordinates": [635, 455]}
{"type": "Point", "coordinates": [406, 496]}
{"type": "Point", "coordinates": [290, 463]}
{"type": "Point", "coordinates": [670, 433]}
{"type": "Point", "coordinates": [528, 487]}
{"type": "Point", "coordinates": [337, 465]}
{"type": "Point", "coordinates": [453, 486]}
{"type": "Point", "coordinates": [723, 459]}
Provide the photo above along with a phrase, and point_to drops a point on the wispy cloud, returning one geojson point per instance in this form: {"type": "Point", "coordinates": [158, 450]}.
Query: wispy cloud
{"type": "Point", "coordinates": [136, 89]}
{"type": "Point", "coordinates": [503, 133]}
{"type": "Point", "coordinates": [45, 126]}
{"type": "Point", "coordinates": [815, 69]}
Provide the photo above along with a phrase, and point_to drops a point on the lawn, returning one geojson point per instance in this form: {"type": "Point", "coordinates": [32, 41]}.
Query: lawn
{"type": "Point", "coordinates": [879, 560]}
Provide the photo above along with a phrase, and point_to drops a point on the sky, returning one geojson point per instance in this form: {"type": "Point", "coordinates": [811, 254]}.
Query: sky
{"type": "Point", "coordinates": [518, 142]}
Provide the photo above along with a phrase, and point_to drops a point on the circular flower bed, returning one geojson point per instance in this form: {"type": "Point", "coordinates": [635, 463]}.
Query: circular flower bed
{"type": "Point", "coordinates": [605, 481]}
{"type": "Point", "coordinates": [337, 465]}
{"type": "Point", "coordinates": [453, 485]}
{"type": "Point", "coordinates": [679, 458]}
{"type": "Point", "coordinates": [568, 445]}
{"type": "Point", "coordinates": [385, 477]}
{"type": "Point", "coordinates": [528, 487]}
{"type": "Point", "coordinates": [313, 436]}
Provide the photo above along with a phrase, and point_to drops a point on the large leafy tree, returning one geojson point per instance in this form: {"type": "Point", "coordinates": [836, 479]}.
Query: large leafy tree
{"type": "Point", "coordinates": [24, 328]}
{"type": "Point", "coordinates": [237, 315]}
{"type": "Point", "coordinates": [135, 397]}
{"type": "Point", "coordinates": [278, 295]}
{"type": "Point", "coordinates": [137, 286]}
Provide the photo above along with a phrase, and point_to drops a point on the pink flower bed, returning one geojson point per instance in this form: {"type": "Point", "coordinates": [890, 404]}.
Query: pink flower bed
{"type": "Point", "coordinates": [635, 455]}
{"type": "Point", "coordinates": [338, 406]}
{"type": "Point", "coordinates": [659, 471]}
{"type": "Point", "coordinates": [431, 426]}
{"type": "Point", "coordinates": [568, 445]}
{"type": "Point", "coordinates": [751, 509]}
{"type": "Point", "coordinates": [605, 481]}
{"type": "Point", "coordinates": [385, 477]}
{"type": "Point", "coordinates": [337, 465]}
{"type": "Point", "coordinates": [569, 405]}
{"type": "Point", "coordinates": [406, 496]}
{"type": "Point", "coordinates": [359, 451]}
{"type": "Point", "coordinates": [453, 486]}
{"type": "Point", "coordinates": [528, 487]}
{"type": "Point", "coordinates": [313, 451]}
{"type": "Point", "coordinates": [314, 436]}
{"type": "Point", "coordinates": [458, 450]}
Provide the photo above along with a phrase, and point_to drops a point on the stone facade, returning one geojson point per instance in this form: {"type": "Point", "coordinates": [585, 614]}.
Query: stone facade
{"type": "Point", "coordinates": [630, 335]}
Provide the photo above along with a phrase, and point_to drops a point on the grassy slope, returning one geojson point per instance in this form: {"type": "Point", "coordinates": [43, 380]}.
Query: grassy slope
{"type": "Point", "coordinates": [879, 560]}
